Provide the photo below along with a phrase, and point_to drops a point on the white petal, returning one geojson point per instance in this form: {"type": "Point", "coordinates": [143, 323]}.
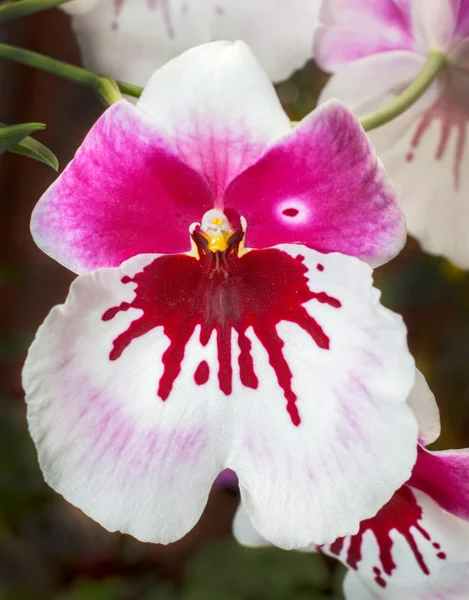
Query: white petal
{"type": "Point", "coordinates": [423, 403]}
{"type": "Point", "coordinates": [106, 441]}
{"type": "Point", "coordinates": [129, 39]}
{"type": "Point", "coordinates": [79, 7]}
{"type": "Point", "coordinates": [280, 364]}
{"type": "Point", "coordinates": [244, 531]}
{"type": "Point", "coordinates": [219, 109]}
{"type": "Point", "coordinates": [429, 558]}
{"type": "Point", "coordinates": [354, 441]}
{"type": "Point", "coordinates": [434, 22]}
{"type": "Point", "coordinates": [355, 589]}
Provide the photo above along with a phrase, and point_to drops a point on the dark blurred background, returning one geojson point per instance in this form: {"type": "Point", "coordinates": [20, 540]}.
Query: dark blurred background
{"type": "Point", "coordinates": [50, 550]}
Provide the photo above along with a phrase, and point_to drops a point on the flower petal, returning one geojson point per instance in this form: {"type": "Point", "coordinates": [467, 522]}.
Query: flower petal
{"type": "Point", "coordinates": [129, 39]}
{"type": "Point", "coordinates": [412, 549]}
{"type": "Point", "coordinates": [354, 29]}
{"type": "Point", "coordinates": [125, 193]}
{"type": "Point", "coordinates": [355, 589]}
{"type": "Point", "coordinates": [423, 404]}
{"type": "Point", "coordinates": [425, 150]}
{"type": "Point", "coordinates": [106, 441]}
{"type": "Point", "coordinates": [321, 185]}
{"type": "Point", "coordinates": [444, 476]}
{"type": "Point", "coordinates": [429, 165]}
{"type": "Point", "coordinates": [218, 108]}
{"type": "Point", "coordinates": [244, 531]}
{"type": "Point", "coordinates": [212, 360]}
{"type": "Point", "coordinates": [79, 7]}
{"type": "Point", "coordinates": [346, 393]}
{"type": "Point", "coordinates": [434, 22]}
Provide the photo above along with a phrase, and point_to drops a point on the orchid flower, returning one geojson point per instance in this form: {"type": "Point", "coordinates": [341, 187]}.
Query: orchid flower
{"type": "Point", "coordinates": [180, 352]}
{"type": "Point", "coordinates": [375, 50]}
{"type": "Point", "coordinates": [129, 39]}
{"type": "Point", "coordinates": [417, 545]}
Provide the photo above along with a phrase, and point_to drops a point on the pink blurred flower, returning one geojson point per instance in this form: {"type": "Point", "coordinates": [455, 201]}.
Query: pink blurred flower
{"type": "Point", "coordinates": [167, 365]}
{"type": "Point", "coordinates": [129, 39]}
{"type": "Point", "coordinates": [417, 545]}
{"type": "Point", "coordinates": [375, 50]}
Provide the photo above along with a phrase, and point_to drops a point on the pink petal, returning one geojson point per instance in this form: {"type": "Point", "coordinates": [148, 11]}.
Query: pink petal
{"type": "Point", "coordinates": [279, 364]}
{"type": "Point", "coordinates": [125, 193]}
{"type": "Point", "coordinates": [444, 476]}
{"type": "Point", "coordinates": [129, 39]}
{"type": "Point", "coordinates": [321, 185]}
{"type": "Point", "coordinates": [353, 29]}
{"type": "Point", "coordinates": [218, 108]}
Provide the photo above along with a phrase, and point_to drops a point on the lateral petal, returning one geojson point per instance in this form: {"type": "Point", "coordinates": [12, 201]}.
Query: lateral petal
{"type": "Point", "coordinates": [125, 193]}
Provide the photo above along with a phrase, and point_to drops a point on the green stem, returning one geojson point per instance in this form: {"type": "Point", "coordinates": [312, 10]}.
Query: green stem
{"type": "Point", "coordinates": [436, 62]}
{"type": "Point", "coordinates": [15, 10]}
{"type": "Point", "coordinates": [107, 89]}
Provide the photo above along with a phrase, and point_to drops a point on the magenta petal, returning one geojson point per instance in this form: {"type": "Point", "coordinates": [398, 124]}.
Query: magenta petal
{"type": "Point", "coordinates": [444, 476]}
{"type": "Point", "coordinates": [125, 193]}
{"type": "Point", "coordinates": [321, 185]}
{"type": "Point", "coordinates": [353, 29]}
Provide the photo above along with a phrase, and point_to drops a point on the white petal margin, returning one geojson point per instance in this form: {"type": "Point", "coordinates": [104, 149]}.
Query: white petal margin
{"type": "Point", "coordinates": [447, 578]}
{"type": "Point", "coordinates": [356, 443]}
{"type": "Point", "coordinates": [105, 441]}
{"type": "Point", "coordinates": [129, 39]}
{"type": "Point", "coordinates": [355, 589]}
{"type": "Point", "coordinates": [452, 584]}
{"type": "Point", "coordinates": [219, 109]}
{"type": "Point", "coordinates": [423, 404]}
{"type": "Point", "coordinates": [244, 531]}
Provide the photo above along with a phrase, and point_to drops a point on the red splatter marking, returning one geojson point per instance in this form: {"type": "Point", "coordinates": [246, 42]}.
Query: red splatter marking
{"type": "Point", "coordinates": [201, 374]}
{"type": "Point", "coordinates": [452, 114]}
{"type": "Point", "coordinates": [152, 5]}
{"type": "Point", "coordinates": [223, 292]}
{"type": "Point", "coordinates": [401, 514]}
{"type": "Point", "coordinates": [378, 578]}
{"type": "Point", "coordinates": [290, 212]}
{"type": "Point", "coordinates": [320, 267]}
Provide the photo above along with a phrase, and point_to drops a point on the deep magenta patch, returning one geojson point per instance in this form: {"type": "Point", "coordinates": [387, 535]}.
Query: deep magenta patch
{"type": "Point", "coordinates": [401, 514]}
{"type": "Point", "coordinates": [223, 292]}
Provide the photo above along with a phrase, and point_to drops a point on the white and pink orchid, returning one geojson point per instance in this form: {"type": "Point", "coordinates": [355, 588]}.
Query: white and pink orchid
{"type": "Point", "coordinates": [375, 50]}
{"type": "Point", "coordinates": [167, 365]}
{"type": "Point", "coordinates": [417, 545]}
{"type": "Point", "coordinates": [129, 39]}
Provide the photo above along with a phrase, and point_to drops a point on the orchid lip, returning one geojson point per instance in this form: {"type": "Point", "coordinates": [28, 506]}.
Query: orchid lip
{"type": "Point", "coordinates": [224, 289]}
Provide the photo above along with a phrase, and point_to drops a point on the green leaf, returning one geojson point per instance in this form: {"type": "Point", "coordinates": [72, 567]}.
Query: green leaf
{"type": "Point", "coordinates": [15, 138]}
{"type": "Point", "coordinates": [10, 135]}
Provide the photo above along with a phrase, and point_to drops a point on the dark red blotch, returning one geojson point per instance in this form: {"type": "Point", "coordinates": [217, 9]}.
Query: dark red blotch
{"type": "Point", "coordinates": [223, 292]}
